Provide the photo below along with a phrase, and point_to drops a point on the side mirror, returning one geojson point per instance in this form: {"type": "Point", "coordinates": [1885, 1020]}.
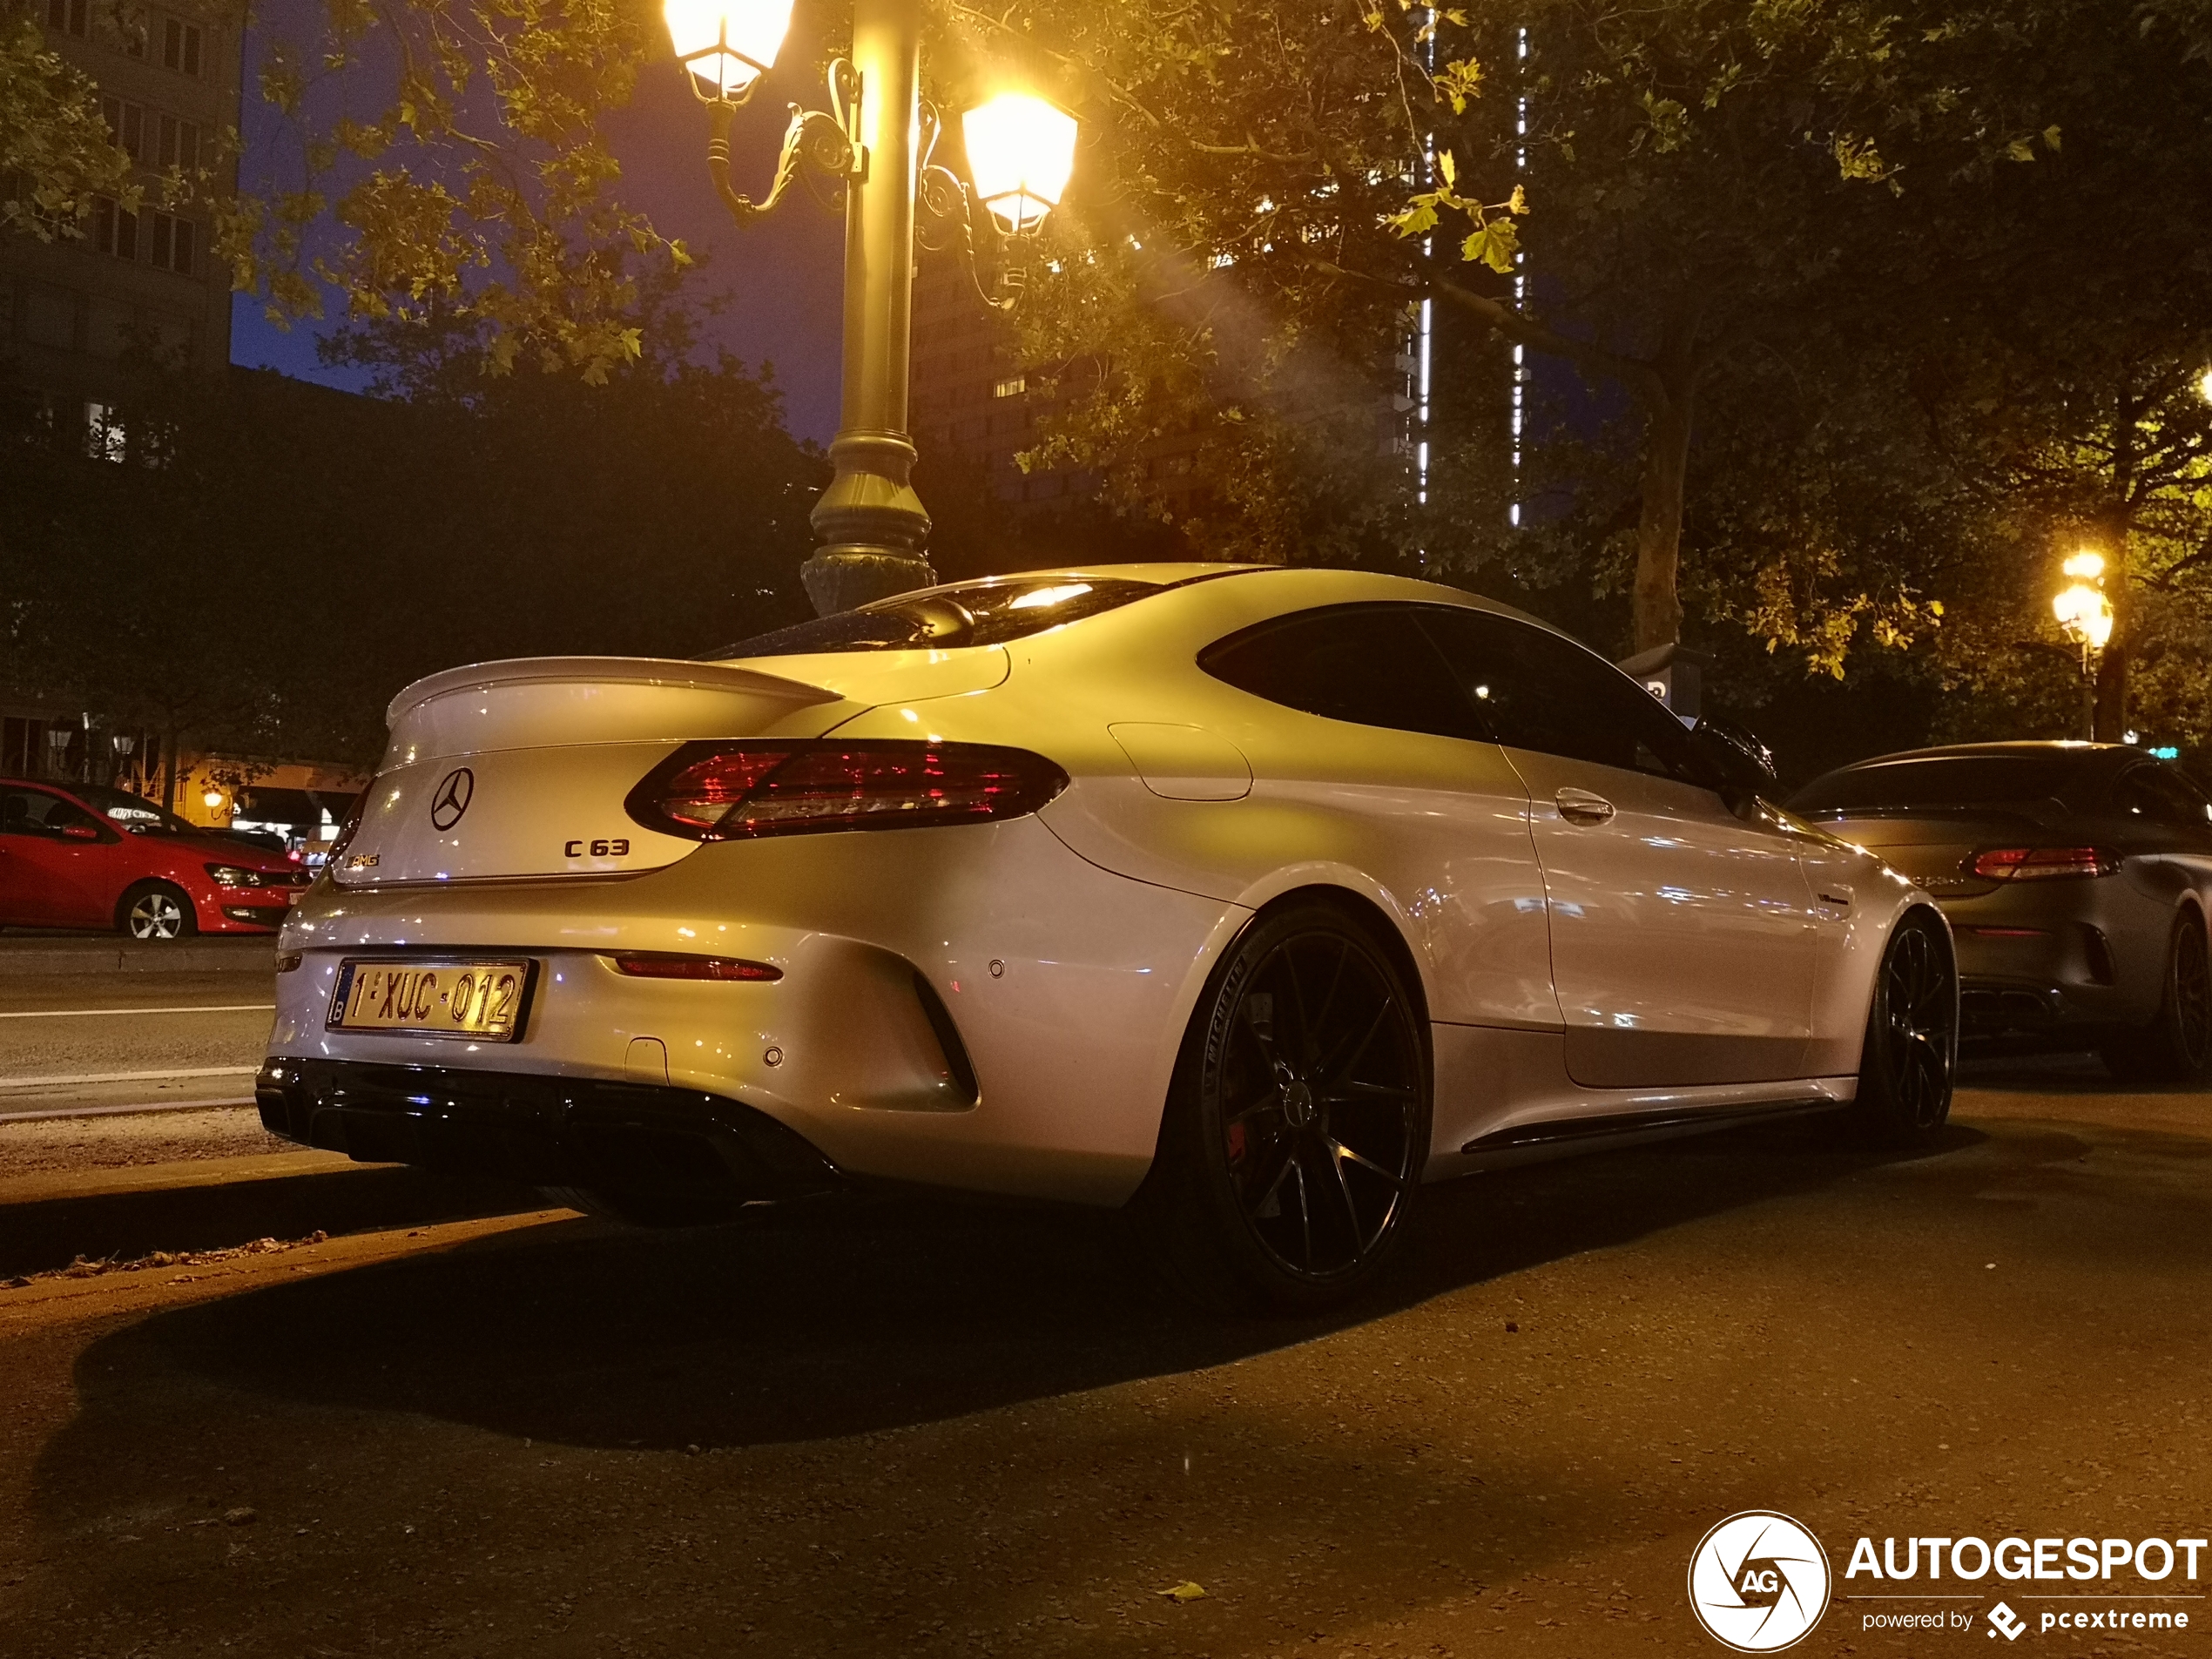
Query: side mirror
{"type": "Point", "coordinates": [80, 832]}
{"type": "Point", "coordinates": [1746, 762]}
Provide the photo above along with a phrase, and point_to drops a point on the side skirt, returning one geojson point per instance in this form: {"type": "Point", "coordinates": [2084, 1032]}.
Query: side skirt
{"type": "Point", "coordinates": [1560, 1137]}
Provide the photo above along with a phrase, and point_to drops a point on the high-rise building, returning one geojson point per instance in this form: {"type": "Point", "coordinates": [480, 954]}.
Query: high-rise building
{"type": "Point", "coordinates": [72, 310]}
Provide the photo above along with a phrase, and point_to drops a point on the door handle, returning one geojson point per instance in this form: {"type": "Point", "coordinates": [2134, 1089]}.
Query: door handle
{"type": "Point", "coordinates": [1580, 806]}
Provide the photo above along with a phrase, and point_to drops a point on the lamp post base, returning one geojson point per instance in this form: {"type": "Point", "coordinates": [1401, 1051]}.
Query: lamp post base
{"type": "Point", "coordinates": [840, 578]}
{"type": "Point", "coordinates": [872, 525]}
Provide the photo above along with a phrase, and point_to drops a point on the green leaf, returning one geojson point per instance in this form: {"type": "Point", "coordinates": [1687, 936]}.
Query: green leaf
{"type": "Point", "coordinates": [1494, 244]}
{"type": "Point", "coordinates": [1421, 217]}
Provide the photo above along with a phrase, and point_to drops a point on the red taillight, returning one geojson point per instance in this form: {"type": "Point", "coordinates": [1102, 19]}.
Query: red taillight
{"type": "Point", "coordinates": [2041, 863]}
{"type": "Point", "coordinates": [701, 794]}
{"type": "Point", "coordinates": [719, 791]}
{"type": "Point", "coordinates": [664, 964]}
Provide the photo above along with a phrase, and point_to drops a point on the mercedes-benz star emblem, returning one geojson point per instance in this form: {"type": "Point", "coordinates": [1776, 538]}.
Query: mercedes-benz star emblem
{"type": "Point", "coordinates": [452, 799]}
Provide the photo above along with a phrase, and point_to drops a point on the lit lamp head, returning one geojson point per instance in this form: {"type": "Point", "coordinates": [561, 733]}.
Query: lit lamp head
{"type": "Point", "coordinates": [2085, 566]}
{"type": "Point", "coordinates": [2085, 614]}
{"type": "Point", "coordinates": [1020, 152]}
{"type": "Point", "coordinates": [212, 800]}
{"type": "Point", "coordinates": [726, 44]}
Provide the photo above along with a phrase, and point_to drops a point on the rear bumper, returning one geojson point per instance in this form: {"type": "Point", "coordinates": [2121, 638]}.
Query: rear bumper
{"type": "Point", "coordinates": [2059, 956]}
{"type": "Point", "coordinates": [243, 917]}
{"type": "Point", "coordinates": [972, 1008]}
{"type": "Point", "coordinates": [676, 1144]}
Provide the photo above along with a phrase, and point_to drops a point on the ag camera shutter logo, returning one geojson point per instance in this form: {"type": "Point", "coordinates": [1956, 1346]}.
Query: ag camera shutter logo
{"type": "Point", "coordinates": [1759, 1581]}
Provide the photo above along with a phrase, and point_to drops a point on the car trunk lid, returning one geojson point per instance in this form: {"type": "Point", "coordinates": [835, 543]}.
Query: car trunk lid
{"type": "Point", "coordinates": [1935, 851]}
{"type": "Point", "coordinates": [520, 769]}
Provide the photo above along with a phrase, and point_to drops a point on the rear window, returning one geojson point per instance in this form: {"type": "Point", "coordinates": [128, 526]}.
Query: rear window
{"type": "Point", "coordinates": [1949, 780]}
{"type": "Point", "coordinates": [134, 812]}
{"type": "Point", "coordinates": [978, 613]}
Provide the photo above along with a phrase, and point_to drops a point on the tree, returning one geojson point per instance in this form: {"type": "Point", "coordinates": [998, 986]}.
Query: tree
{"type": "Point", "coordinates": [53, 137]}
{"type": "Point", "coordinates": [450, 158]}
{"type": "Point", "coordinates": [1642, 192]}
{"type": "Point", "coordinates": [2062, 381]}
{"type": "Point", "coordinates": [272, 560]}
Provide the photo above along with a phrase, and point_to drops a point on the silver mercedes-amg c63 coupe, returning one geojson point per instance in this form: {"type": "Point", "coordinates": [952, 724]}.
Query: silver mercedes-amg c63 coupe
{"type": "Point", "coordinates": [1250, 898]}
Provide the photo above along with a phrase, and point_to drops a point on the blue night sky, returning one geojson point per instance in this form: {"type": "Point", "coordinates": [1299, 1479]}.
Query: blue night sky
{"type": "Point", "coordinates": [782, 277]}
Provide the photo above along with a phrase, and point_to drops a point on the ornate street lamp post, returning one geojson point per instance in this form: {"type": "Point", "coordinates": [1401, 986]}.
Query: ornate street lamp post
{"type": "Point", "coordinates": [2084, 612]}
{"type": "Point", "coordinates": [874, 143]}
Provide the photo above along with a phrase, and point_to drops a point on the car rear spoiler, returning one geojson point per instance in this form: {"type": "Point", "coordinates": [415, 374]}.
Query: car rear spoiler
{"type": "Point", "coordinates": [620, 670]}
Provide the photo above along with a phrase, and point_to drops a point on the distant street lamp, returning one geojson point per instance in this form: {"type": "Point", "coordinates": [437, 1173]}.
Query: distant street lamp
{"type": "Point", "coordinates": [875, 141]}
{"type": "Point", "coordinates": [2084, 614]}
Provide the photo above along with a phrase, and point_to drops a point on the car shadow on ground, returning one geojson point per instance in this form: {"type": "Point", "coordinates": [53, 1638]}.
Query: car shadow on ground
{"type": "Point", "coordinates": [850, 1319]}
{"type": "Point", "coordinates": [2026, 1066]}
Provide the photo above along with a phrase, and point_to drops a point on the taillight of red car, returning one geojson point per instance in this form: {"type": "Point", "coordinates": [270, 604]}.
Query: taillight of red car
{"type": "Point", "coordinates": [2044, 863]}
{"type": "Point", "coordinates": [737, 791]}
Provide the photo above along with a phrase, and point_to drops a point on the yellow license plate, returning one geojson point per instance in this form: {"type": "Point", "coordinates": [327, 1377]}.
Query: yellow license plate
{"type": "Point", "coordinates": [480, 1000]}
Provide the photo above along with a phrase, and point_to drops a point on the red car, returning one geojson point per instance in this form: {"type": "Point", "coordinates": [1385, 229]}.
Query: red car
{"type": "Point", "coordinates": [81, 855]}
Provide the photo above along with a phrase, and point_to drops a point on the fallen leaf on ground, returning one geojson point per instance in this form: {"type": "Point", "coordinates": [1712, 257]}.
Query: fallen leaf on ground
{"type": "Point", "coordinates": [1186, 1591]}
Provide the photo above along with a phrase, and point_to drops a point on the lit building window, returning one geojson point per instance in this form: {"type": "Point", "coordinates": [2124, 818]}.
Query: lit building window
{"type": "Point", "coordinates": [104, 439]}
{"type": "Point", "coordinates": [1012, 387]}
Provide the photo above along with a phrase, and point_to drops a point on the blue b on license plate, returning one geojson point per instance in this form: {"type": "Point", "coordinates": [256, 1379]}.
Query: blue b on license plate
{"type": "Point", "coordinates": [481, 1001]}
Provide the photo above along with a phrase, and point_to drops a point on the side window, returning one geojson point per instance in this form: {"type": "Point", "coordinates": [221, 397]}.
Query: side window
{"type": "Point", "coordinates": [16, 810]}
{"type": "Point", "coordinates": [1370, 665]}
{"type": "Point", "coordinates": [1541, 691]}
{"type": "Point", "coordinates": [2162, 795]}
{"type": "Point", "coordinates": [33, 812]}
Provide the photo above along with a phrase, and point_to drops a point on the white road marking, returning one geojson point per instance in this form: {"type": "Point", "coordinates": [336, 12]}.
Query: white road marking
{"type": "Point", "coordinates": [118, 1111]}
{"type": "Point", "coordinates": [86, 1013]}
{"type": "Point", "coordinates": [77, 1078]}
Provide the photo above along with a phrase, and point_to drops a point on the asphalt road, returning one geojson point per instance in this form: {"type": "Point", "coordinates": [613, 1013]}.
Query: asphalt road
{"type": "Point", "coordinates": [69, 1041]}
{"type": "Point", "coordinates": [895, 1430]}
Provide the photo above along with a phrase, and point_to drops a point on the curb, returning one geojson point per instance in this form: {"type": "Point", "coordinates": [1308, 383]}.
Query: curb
{"type": "Point", "coordinates": [104, 956]}
{"type": "Point", "coordinates": [49, 1219]}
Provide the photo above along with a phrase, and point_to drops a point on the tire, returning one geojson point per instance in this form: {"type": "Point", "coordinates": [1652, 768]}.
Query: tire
{"type": "Point", "coordinates": [1911, 1057]}
{"type": "Point", "coordinates": [1296, 1127]}
{"type": "Point", "coordinates": [2176, 1046]}
{"type": "Point", "coordinates": [156, 912]}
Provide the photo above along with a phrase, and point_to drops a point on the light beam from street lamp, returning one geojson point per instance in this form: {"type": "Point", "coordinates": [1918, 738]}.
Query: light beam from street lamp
{"type": "Point", "coordinates": [2085, 566]}
{"type": "Point", "coordinates": [2204, 386]}
{"type": "Point", "coordinates": [726, 44]}
{"type": "Point", "coordinates": [1020, 151]}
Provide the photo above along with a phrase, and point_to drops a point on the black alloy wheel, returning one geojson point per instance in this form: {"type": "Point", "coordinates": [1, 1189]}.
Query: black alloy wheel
{"type": "Point", "coordinates": [2176, 1046]}
{"type": "Point", "coordinates": [1290, 1160]}
{"type": "Point", "coordinates": [1911, 1056]}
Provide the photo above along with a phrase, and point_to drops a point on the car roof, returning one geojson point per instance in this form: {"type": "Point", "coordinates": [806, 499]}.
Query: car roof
{"type": "Point", "coordinates": [1159, 575]}
{"type": "Point", "coordinates": [1386, 584]}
